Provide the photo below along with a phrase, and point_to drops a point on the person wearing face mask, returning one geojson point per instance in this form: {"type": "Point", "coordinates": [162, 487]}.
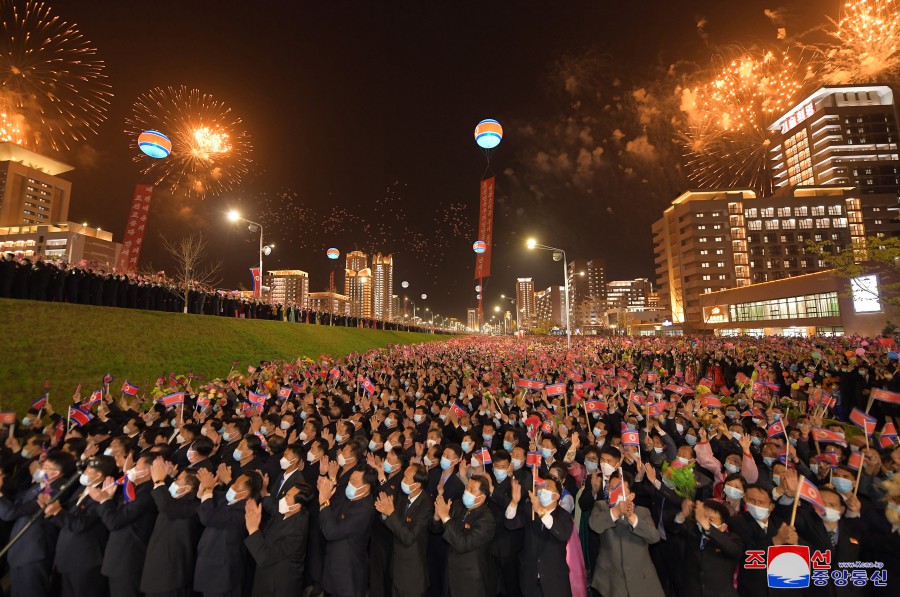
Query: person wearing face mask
{"type": "Point", "coordinates": [130, 524]}
{"type": "Point", "coordinates": [390, 476]}
{"type": "Point", "coordinates": [544, 570]}
{"type": "Point", "coordinates": [279, 546]}
{"type": "Point", "coordinates": [711, 553]}
{"type": "Point", "coordinates": [626, 531]}
{"type": "Point", "coordinates": [221, 556]}
{"type": "Point", "coordinates": [450, 483]}
{"type": "Point", "coordinates": [182, 440]}
{"type": "Point", "coordinates": [507, 543]}
{"type": "Point", "coordinates": [31, 557]}
{"type": "Point", "coordinates": [82, 536]}
{"type": "Point", "coordinates": [407, 515]}
{"type": "Point", "coordinates": [199, 455]}
{"type": "Point", "coordinates": [232, 433]}
{"type": "Point", "coordinates": [246, 456]}
{"type": "Point", "coordinates": [349, 458]}
{"type": "Point", "coordinates": [289, 463]}
{"type": "Point", "coordinates": [758, 528]}
{"type": "Point", "coordinates": [346, 524]}
{"type": "Point", "coordinates": [315, 543]}
{"type": "Point", "coordinates": [172, 549]}
{"type": "Point", "coordinates": [467, 526]}
{"type": "Point", "coordinates": [26, 454]}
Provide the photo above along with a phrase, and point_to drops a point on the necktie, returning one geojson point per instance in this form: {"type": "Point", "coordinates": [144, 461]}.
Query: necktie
{"type": "Point", "coordinates": [832, 536]}
{"type": "Point", "coordinates": [661, 527]}
{"type": "Point", "coordinates": [406, 506]}
{"type": "Point", "coordinates": [704, 538]}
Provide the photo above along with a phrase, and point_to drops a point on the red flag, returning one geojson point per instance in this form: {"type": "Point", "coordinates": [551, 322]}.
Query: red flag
{"type": "Point", "coordinates": [368, 386]}
{"type": "Point", "coordinates": [854, 461]}
{"type": "Point", "coordinates": [556, 389]}
{"type": "Point", "coordinates": [129, 388]}
{"type": "Point", "coordinates": [80, 417]}
{"type": "Point", "coordinates": [885, 396]}
{"type": "Point", "coordinates": [616, 493]}
{"type": "Point", "coordinates": [863, 421]}
{"type": "Point", "coordinates": [631, 438]}
{"type": "Point", "coordinates": [810, 493]}
{"type": "Point", "coordinates": [826, 436]}
{"type": "Point", "coordinates": [712, 402]}
{"type": "Point", "coordinates": [533, 459]}
{"type": "Point", "coordinates": [459, 410]}
{"type": "Point", "coordinates": [775, 429]}
{"type": "Point", "coordinates": [257, 399]}
{"type": "Point", "coordinates": [594, 406]}
{"type": "Point", "coordinates": [127, 486]}
{"type": "Point", "coordinates": [171, 400]}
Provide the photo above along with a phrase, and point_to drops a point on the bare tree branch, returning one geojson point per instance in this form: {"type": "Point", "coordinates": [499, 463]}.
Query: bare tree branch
{"type": "Point", "coordinates": [191, 269]}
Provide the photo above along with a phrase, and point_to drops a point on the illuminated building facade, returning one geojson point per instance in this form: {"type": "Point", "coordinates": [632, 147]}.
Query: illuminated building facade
{"type": "Point", "coordinates": [525, 302]}
{"type": "Point", "coordinates": [288, 287]}
{"type": "Point", "coordinates": [383, 287]}
{"type": "Point", "coordinates": [31, 192]}
{"type": "Point", "coordinates": [358, 284]}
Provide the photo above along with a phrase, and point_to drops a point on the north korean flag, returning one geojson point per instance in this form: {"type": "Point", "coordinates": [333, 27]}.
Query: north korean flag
{"type": "Point", "coordinates": [368, 386]}
{"type": "Point", "coordinates": [284, 392]}
{"type": "Point", "coordinates": [459, 410]}
{"type": "Point", "coordinates": [556, 389]}
{"type": "Point", "coordinates": [128, 492]}
{"type": "Point", "coordinates": [631, 438]}
{"type": "Point", "coordinates": [592, 406]}
{"type": "Point", "coordinates": [130, 389]}
{"type": "Point", "coordinates": [257, 399]}
{"type": "Point", "coordinates": [863, 421]}
{"type": "Point", "coordinates": [775, 429]}
{"type": "Point", "coordinates": [810, 493]}
{"type": "Point", "coordinates": [79, 417]}
{"type": "Point", "coordinates": [533, 459]}
{"type": "Point", "coordinates": [712, 402]}
{"type": "Point", "coordinates": [826, 436]}
{"type": "Point", "coordinates": [885, 396]}
{"type": "Point", "coordinates": [173, 399]}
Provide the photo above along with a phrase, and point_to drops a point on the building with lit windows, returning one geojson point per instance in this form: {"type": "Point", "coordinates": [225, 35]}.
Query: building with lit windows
{"type": "Point", "coordinates": [383, 287]}
{"type": "Point", "coordinates": [288, 287]}
{"type": "Point", "coordinates": [630, 295]}
{"type": "Point", "coordinates": [587, 294]}
{"type": "Point", "coordinates": [525, 302]}
{"type": "Point", "coordinates": [472, 319]}
{"type": "Point", "coordinates": [68, 241]}
{"type": "Point", "coordinates": [550, 308]}
{"type": "Point", "coordinates": [840, 135]}
{"type": "Point", "coordinates": [818, 304]}
{"type": "Point", "coordinates": [709, 241]}
{"type": "Point", "coordinates": [329, 302]}
{"type": "Point", "coordinates": [358, 284]}
{"type": "Point", "coordinates": [31, 192]}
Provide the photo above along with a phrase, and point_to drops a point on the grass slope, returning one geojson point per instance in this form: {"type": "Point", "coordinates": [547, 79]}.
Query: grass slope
{"type": "Point", "coordinates": [78, 344]}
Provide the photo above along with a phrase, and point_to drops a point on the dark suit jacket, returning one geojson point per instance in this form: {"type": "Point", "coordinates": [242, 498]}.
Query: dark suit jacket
{"type": "Point", "coordinates": [410, 531]}
{"type": "Point", "coordinates": [172, 549]}
{"type": "Point", "coordinates": [221, 555]}
{"type": "Point", "coordinates": [130, 526]}
{"type": "Point", "coordinates": [544, 552]}
{"type": "Point", "coordinates": [469, 534]}
{"type": "Point", "coordinates": [278, 491]}
{"type": "Point", "coordinates": [279, 551]}
{"type": "Point", "coordinates": [39, 541]}
{"type": "Point", "coordinates": [82, 536]}
{"type": "Point", "coordinates": [752, 583]}
{"type": "Point", "coordinates": [812, 532]}
{"type": "Point", "coordinates": [709, 572]}
{"type": "Point", "coordinates": [347, 526]}
{"type": "Point", "coordinates": [506, 541]}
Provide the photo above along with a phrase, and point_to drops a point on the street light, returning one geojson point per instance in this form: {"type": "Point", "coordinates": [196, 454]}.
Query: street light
{"type": "Point", "coordinates": [533, 244]}
{"type": "Point", "coordinates": [515, 303]}
{"type": "Point", "coordinates": [71, 241]}
{"type": "Point", "coordinates": [234, 216]}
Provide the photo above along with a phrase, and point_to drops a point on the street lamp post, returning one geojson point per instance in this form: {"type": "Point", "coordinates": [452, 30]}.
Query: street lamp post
{"type": "Point", "coordinates": [234, 216]}
{"type": "Point", "coordinates": [514, 303]}
{"type": "Point", "coordinates": [533, 244]}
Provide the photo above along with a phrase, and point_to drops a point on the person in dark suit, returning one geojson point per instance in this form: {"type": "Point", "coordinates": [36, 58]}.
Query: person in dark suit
{"type": "Point", "coordinates": [833, 530]}
{"type": "Point", "coordinates": [390, 473]}
{"type": "Point", "coordinates": [222, 559]}
{"type": "Point", "coordinates": [130, 524]}
{"type": "Point", "coordinates": [82, 536]}
{"type": "Point", "coordinates": [315, 544]}
{"type": "Point", "coordinates": [452, 488]}
{"type": "Point", "coordinates": [346, 525]}
{"type": "Point", "coordinates": [199, 453]}
{"type": "Point", "coordinates": [289, 464]}
{"type": "Point", "coordinates": [279, 550]}
{"type": "Point", "coordinates": [30, 559]}
{"type": "Point", "coordinates": [507, 542]}
{"type": "Point", "coordinates": [623, 565]}
{"type": "Point", "coordinates": [172, 549]}
{"type": "Point", "coordinates": [544, 570]}
{"type": "Point", "coordinates": [407, 515]}
{"type": "Point", "coordinates": [711, 553]}
{"type": "Point", "coordinates": [759, 529]}
{"type": "Point", "coordinates": [468, 528]}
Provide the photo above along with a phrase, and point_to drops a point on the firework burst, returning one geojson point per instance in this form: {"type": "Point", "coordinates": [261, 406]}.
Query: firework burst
{"type": "Point", "coordinates": [52, 87]}
{"type": "Point", "coordinates": [728, 112]}
{"type": "Point", "coordinates": [210, 149]}
{"type": "Point", "coordinates": [865, 47]}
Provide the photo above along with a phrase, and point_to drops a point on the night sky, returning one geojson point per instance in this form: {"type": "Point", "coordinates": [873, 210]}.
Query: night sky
{"type": "Point", "coordinates": [369, 107]}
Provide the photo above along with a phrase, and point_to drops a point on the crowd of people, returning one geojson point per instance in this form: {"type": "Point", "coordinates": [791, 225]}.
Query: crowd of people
{"type": "Point", "coordinates": [473, 466]}
{"type": "Point", "coordinates": [86, 283]}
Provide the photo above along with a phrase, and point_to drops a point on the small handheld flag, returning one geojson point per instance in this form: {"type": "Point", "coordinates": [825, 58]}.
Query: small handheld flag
{"type": "Point", "coordinates": [826, 436]}
{"type": "Point", "coordinates": [885, 396]}
{"type": "Point", "coordinates": [128, 492]}
{"type": "Point", "coordinates": [79, 416]}
{"type": "Point", "coordinates": [863, 421]}
{"type": "Point", "coordinates": [257, 399]}
{"type": "Point", "coordinates": [171, 400]}
{"type": "Point", "coordinates": [810, 493]}
{"type": "Point", "coordinates": [775, 429]}
{"type": "Point", "coordinates": [130, 389]}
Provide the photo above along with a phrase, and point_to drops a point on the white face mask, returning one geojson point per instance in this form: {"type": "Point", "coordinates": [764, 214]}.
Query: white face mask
{"type": "Point", "coordinates": [607, 469]}
{"type": "Point", "coordinates": [831, 515]}
{"type": "Point", "coordinates": [285, 463]}
{"type": "Point", "coordinates": [303, 437]}
{"type": "Point", "coordinates": [310, 457]}
{"type": "Point", "coordinates": [285, 425]}
{"type": "Point", "coordinates": [341, 460]}
{"type": "Point", "coordinates": [283, 506]}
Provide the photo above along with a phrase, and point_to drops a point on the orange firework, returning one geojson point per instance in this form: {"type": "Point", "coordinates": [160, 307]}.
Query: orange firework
{"type": "Point", "coordinates": [726, 136]}
{"type": "Point", "coordinates": [210, 149]}
{"type": "Point", "coordinates": [866, 43]}
{"type": "Point", "coordinates": [52, 87]}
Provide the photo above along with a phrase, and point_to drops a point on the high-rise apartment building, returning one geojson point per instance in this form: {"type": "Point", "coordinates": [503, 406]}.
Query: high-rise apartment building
{"type": "Point", "coordinates": [549, 306]}
{"type": "Point", "coordinates": [358, 284]}
{"type": "Point", "coordinates": [329, 302]}
{"type": "Point", "coordinates": [525, 302]}
{"type": "Point", "coordinates": [31, 192]}
{"type": "Point", "coordinates": [587, 294]}
{"type": "Point", "coordinates": [288, 287]}
{"type": "Point", "coordinates": [472, 319]}
{"type": "Point", "coordinates": [629, 295]}
{"type": "Point", "coordinates": [841, 135]}
{"type": "Point", "coordinates": [714, 240]}
{"type": "Point", "coordinates": [383, 287]}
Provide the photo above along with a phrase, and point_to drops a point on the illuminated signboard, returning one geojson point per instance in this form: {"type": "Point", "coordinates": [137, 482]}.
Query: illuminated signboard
{"type": "Point", "coordinates": [865, 294]}
{"type": "Point", "coordinates": [715, 314]}
{"type": "Point", "coordinates": [797, 117]}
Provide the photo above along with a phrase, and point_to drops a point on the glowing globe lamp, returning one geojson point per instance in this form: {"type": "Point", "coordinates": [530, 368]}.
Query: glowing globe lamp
{"type": "Point", "coordinates": [404, 284]}
{"type": "Point", "coordinates": [424, 296]}
{"type": "Point", "coordinates": [479, 246]}
{"type": "Point", "coordinates": [488, 133]}
{"type": "Point", "coordinates": [154, 144]}
{"type": "Point", "coordinates": [333, 253]}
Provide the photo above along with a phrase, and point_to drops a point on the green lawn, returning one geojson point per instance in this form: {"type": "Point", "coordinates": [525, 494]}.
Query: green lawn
{"type": "Point", "coordinates": [78, 344]}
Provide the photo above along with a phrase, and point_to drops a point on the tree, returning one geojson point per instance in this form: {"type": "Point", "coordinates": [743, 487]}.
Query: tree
{"type": "Point", "coordinates": [878, 255]}
{"type": "Point", "coordinates": [191, 269]}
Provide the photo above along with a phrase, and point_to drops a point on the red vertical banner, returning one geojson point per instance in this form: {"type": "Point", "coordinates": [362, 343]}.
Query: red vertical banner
{"type": "Point", "coordinates": [134, 231]}
{"type": "Point", "coordinates": [254, 271]}
{"type": "Point", "coordinates": [485, 228]}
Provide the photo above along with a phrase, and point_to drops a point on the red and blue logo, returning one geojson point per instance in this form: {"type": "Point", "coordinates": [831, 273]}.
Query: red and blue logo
{"type": "Point", "coordinates": [788, 567]}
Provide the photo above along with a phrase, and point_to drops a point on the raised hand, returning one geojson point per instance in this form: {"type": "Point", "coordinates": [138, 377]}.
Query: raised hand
{"type": "Point", "coordinates": [326, 490]}
{"type": "Point", "coordinates": [442, 507]}
{"type": "Point", "coordinates": [384, 504]}
{"type": "Point", "coordinates": [158, 470]}
{"type": "Point", "coordinates": [650, 472]}
{"type": "Point", "coordinates": [252, 516]}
